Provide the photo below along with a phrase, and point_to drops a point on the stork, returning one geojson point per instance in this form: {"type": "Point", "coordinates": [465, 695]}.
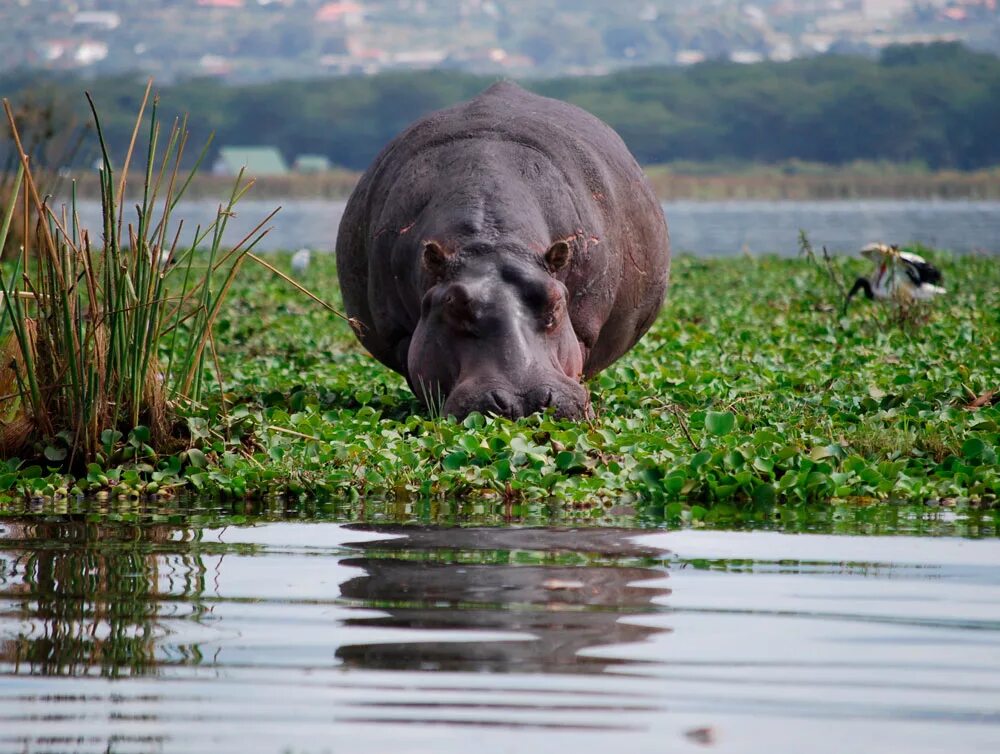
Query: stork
{"type": "Point", "coordinates": [899, 275]}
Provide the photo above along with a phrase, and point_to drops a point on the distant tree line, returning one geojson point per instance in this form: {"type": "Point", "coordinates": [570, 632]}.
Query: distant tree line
{"type": "Point", "coordinates": [938, 104]}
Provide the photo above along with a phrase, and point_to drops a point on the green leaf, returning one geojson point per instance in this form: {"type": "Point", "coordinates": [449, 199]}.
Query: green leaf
{"type": "Point", "coordinates": [475, 420]}
{"type": "Point", "coordinates": [700, 459]}
{"type": "Point", "coordinates": [455, 461]}
{"type": "Point", "coordinates": [55, 453]}
{"type": "Point", "coordinates": [197, 459]}
{"type": "Point", "coordinates": [568, 460]}
{"type": "Point", "coordinates": [674, 483]}
{"type": "Point", "coordinates": [825, 451]}
{"type": "Point", "coordinates": [720, 423]}
{"type": "Point", "coordinates": [470, 443]}
{"type": "Point", "coordinates": [139, 435]}
{"type": "Point", "coordinates": [519, 445]}
{"type": "Point", "coordinates": [503, 470]}
{"type": "Point", "coordinates": [109, 437]}
{"type": "Point", "coordinates": [973, 448]}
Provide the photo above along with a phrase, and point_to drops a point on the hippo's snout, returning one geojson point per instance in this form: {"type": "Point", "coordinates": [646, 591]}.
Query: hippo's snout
{"type": "Point", "coordinates": [570, 400]}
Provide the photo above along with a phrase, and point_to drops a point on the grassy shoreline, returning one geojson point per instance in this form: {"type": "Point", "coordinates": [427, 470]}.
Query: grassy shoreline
{"type": "Point", "coordinates": [750, 391]}
{"type": "Point", "coordinates": [684, 181]}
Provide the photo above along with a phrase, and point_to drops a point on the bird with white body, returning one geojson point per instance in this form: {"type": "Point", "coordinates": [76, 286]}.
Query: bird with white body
{"type": "Point", "coordinates": [899, 276]}
{"type": "Point", "coordinates": [300, 261]}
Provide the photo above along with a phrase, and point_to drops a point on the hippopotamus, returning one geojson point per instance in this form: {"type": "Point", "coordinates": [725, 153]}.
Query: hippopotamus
{"type": "Point", "coordinates": [499, 252]}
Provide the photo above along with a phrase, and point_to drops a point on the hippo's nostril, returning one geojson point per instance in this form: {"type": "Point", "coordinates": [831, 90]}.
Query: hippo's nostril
{"type": "Point", "coordinates": [542, 398]}
{"type": "Point", "coordinates": [568, 400]}
{"type": "Point", "coordinates": [503, 404]}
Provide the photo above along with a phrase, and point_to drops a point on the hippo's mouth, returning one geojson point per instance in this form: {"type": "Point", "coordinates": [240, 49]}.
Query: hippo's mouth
{"type": "Point", "coordinates": [566, 398]}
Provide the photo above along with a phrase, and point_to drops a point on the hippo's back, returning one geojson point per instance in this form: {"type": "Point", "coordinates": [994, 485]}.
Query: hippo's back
{"type": "Point", "coordinates": [587, 151]}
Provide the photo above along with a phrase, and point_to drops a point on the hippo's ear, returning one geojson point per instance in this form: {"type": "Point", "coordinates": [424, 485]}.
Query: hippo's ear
{"type": "Point", "coordinates": [435, 259]}
{"type": "Point", "coordinates": [558, 256]}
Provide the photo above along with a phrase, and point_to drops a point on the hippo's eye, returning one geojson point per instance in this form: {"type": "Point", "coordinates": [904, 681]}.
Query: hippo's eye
{"type": "Point", "coordinates": [536, 296]}
{"type": "Point", "coordinates": [545, 300]}
{"type": "Point", "coordinates": [552, 315]}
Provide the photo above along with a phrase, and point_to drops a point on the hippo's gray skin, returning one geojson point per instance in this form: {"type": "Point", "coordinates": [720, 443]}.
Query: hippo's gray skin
{"type": "Point", "coordinates": [499, 251]}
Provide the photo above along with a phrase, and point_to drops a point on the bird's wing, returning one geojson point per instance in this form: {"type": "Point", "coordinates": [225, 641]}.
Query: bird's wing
{"type": "Point", "coordinates": [920, 271]}
{"type": "Point", "coordinates": [911, 272]}
{"type": "Point", "coordinates": [876, 251]}
{"type": "Point", "coordinates": [927, 291]}
{"type": "Point", "coordinates": [909, 256]}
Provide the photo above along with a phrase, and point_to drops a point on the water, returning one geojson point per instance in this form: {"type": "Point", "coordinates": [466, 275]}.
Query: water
{"type": "Point", "coordinates": [709, 228]}
{"type": "Point", "coordinates": [180, 628]}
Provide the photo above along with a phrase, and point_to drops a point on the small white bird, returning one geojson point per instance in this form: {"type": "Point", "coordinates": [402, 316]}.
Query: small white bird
{"type": "Point", "coordinates": [300, 261]}
{"type": "Point", "coordinates": [899, 275]}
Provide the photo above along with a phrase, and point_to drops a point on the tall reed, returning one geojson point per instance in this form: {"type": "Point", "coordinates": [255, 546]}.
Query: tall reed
{"type": "Point", "coordinates": [103, 334]}
{"type": "Point", "coordinates": [54, 141]}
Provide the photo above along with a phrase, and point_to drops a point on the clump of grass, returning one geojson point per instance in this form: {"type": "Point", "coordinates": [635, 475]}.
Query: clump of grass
{"type": "Point", "coordinates": [84, 318]}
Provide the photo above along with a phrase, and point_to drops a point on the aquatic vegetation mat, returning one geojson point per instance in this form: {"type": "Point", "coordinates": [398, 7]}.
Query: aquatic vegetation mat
{"type": "Point", "coordinates": [751, 389]}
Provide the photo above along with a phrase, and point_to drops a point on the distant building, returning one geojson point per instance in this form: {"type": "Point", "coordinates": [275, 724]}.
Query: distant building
{"type": "Point", "coordinates": [257, 161]}
{"type": "Point", "coordinates": [882, 10]}
{"type": "Point", "coordinates": [349, 14]}
{"type": "Point", "coordinates": [215, 65]}
{"type": "Point", "coordinates": [689, 57]}
{"type": "Point", "coordinates": [90, 52]}
{"type": "Point", "coordinates": [419, 58]}
{"type": "Point", "coordinates": [311, 163]}
{"type": "Point", "coordinates": [746, 57]}
{"type": "Point", "coordinates": [108, 20]}
{"type": "Point", "coordinates": [67, 53]}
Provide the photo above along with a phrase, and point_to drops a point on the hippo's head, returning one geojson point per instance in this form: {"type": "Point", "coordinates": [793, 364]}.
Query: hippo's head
{"type": "Point", "coordinates": [495, 336]}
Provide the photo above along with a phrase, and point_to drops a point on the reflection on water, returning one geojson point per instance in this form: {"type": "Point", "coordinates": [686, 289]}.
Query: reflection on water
{"type": "Point", "coordinates": [89, 597]}
{"type": "Point", "coordinates": [559, 609]}
{"type": "Point", "coordinates": [173, 631]}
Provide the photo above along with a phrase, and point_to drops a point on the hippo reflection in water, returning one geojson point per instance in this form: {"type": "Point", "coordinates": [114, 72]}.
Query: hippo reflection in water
{"type": "Point", "coordinates": [498, 252]}
{"type": "Point", "coordinates": [561, 609]}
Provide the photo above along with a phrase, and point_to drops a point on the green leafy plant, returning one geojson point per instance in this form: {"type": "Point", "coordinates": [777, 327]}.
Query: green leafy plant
{"type": "Point", "coordinates": [743, 403]}
{"type": "Point", "coordinates": [84, 320]}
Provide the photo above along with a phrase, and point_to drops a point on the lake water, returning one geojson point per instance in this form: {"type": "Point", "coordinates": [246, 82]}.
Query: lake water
{"type": "Point", "coordinates": [179, 627]}
{"type": "Point", "coordinates": [709, 228]}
